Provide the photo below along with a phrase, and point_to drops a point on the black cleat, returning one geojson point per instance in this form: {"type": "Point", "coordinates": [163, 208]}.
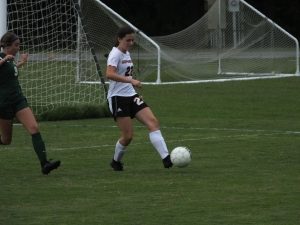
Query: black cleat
{"type": "Point", "coordinates": [49, 166]}
{"type": "Point", "coordinates": [167, 162]}
{"type": "Point", "coordinates": [117, 166]}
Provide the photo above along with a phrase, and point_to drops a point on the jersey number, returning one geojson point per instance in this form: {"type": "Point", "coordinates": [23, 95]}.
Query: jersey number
{"type": "Point", "coordinates": [16, 70]}
{"type": "Point", "coordinates": [129, 71]}
{"type": "Point", "coordinates": [138, 101]}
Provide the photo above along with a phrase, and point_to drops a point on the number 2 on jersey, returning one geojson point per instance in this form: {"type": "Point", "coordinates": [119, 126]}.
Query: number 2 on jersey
{"type": "Point", "coordinates": [129, 71]}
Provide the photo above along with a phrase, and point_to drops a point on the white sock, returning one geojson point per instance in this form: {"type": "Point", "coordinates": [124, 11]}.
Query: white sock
{"type": "Point", "coordinates": [159, 143]}
{"type": "Point", "coordinates": [119, 151]}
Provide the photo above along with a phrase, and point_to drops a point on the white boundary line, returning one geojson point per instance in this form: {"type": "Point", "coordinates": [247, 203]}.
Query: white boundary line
{"type": "Point", "coordinates": [111, 146]}
{"type": "Point", "coordinates": [181, 128]}
{"type": "Point", "coordinates": [100, 147]}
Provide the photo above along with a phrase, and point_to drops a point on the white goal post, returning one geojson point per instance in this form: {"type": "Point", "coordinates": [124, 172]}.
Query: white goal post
{"type": "Point", "coordinates": [232, 41]}
{"type": "Point", "coordinates": [227, 43]}
{"type": "Point", "coordinates": [255, 37]}
{"type": "Point", "coordinates": [51, 32]}
{"type": "Point", "coordinates": [102, 37]}
{"type": "Point", "coordinates": [68, 49]}
{"type": "Point", "coordinates": [3, 19]}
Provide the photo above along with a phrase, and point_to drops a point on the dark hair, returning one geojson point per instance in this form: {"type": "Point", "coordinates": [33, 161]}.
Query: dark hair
{"type": "Point", "coordinates": [122, 32]}
{"type": "Point", "coordinates": [7, 39]}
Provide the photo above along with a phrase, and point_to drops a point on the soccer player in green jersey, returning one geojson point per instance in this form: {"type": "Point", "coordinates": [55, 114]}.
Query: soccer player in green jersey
{"type": "Point", "coordinates": [14, 104]}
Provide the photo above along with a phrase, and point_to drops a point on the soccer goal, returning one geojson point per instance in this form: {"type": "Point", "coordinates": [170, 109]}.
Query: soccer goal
{"type": "Point", "coordinates": [254, 45]}
{"type": "Point", "coordinates": [232, 40]}
{"type": "Point", "coordinates": [68, 42]}
{"type": "Point", "coordinates": [60, 56]}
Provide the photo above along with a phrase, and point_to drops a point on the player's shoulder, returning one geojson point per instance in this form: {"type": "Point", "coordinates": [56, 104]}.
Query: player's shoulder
{"type": "Point", "coordinates": [114, 57]}
{"type": "Point", "coordinates": [115, 52]}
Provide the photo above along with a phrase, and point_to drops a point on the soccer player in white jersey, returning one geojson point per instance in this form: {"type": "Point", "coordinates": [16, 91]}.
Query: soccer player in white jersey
{"type": "Point", "coordinates": [124, 102]}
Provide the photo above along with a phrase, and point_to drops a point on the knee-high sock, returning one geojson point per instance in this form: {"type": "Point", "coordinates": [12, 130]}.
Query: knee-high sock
{"type": "Point", "coordinates": [39, 147]}
{"type": "Point", "coordinates": [159, 143]}
{"type": "Point", "coordinates": [119, 151]}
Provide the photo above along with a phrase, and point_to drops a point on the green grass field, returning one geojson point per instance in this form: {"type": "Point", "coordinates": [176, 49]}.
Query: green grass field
{"type": "Point", "coordinates": [245, 142]}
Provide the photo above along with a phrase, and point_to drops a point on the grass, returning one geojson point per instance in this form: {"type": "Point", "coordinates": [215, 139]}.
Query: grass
{"type": "Point", "coordinates": [245, 141]}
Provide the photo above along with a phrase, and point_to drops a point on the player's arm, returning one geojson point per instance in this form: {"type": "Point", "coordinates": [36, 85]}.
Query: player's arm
{"type": "Point", "coordinates": [111, 74]}
{"type": "Point", "coordinates": [23, 60]}
{"type": "Point", "coordinates": [6, 58]}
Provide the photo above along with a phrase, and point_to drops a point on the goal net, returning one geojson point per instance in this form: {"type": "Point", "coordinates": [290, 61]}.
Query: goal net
{"type": "Point", "coordinates": [102, 24]}
{"type": "Point", "coordinates": [231, 41]}
{"type": "Point", "coordinates": [253, 45]}
{"type": "Point", "coordinates": [60, 59]}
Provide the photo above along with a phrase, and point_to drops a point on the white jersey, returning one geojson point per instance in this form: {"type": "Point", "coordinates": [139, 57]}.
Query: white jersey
{"type": "Point", "coordinates": [123, 63]}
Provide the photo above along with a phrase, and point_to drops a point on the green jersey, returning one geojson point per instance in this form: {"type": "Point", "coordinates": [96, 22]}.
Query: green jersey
{"type": "Point", "coordinates": [9, 83]}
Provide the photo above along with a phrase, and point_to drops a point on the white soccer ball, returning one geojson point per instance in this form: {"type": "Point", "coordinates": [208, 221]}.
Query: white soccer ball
{"type": "Point", "coordinates": [181, 156]}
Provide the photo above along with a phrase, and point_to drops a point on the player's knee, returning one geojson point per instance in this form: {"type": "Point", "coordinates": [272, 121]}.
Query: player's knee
{"type": "Point", "coordinates": [126, 139]}
{"type": "Point", "coordinates": [153, 124]}
{"type": "Point", "coordinates": [33, 129]}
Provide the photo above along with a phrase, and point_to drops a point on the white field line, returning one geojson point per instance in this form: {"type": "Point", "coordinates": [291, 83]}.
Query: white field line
{"type": "Point", "coordinates": [110, 146]}
{"type": "Point", "coordinates": [235, 129]}
{"type": "Point", "coordinates": [254, 133]}
{"type": "Point", "coordinates": [186, 128]}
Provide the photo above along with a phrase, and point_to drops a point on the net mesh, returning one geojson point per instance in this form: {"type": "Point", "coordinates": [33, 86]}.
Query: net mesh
{"type": "Point", "coordinates": [253, 44]}
{"type": "Point", "coordinates": [60, 59]}
{"type": "Point", "coordinates": [226, 43]}
{"type": "Point", "coordinates": [102, 24]}
{"type": "Point", "coordinates": [235, 42]}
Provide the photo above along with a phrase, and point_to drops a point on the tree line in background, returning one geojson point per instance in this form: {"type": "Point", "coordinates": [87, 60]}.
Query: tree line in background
{"type": "Point", "coordinates": [162, 17]}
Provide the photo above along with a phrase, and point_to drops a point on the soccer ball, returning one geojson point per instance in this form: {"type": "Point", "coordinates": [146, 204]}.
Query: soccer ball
{"type": "Point", "coordinates": [181, 156]}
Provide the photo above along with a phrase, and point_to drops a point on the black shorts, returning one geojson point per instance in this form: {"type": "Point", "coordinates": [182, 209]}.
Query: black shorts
{"type": "Point", "coordinates": [126, 106]}
{"type": "Point", "coordinates": [9, 110]}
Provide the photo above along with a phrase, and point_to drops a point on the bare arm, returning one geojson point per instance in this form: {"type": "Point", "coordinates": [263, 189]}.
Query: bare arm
{"type": "Point", "coordinates": [23, 60]}
{"type": "Point", "coordinates": [6, 58]}
{"type": "Point", "coordinates": [111, 73]}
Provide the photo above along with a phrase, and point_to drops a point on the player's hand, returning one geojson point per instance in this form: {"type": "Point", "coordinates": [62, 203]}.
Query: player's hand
{"type": "Point", "coordinates": [9, 57]}
{"type": "Point", "coordinates": [136, 83]}
{"type": "Point", "coordinates": [24, 57]}
{"type": "Point", "coordinates": [23, 60]}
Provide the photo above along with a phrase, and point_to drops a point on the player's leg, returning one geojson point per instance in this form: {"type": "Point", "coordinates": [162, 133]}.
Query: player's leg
{"type": "Point", "coordinates": [120, 109]}
{"type": "Point", "coordinates": [26, 117]}
{"type": "Point", "coordinates": [6, 124]}
{"type": "Point", "coordinates": [126, 128]}
{"type": "Point", "coordinates": [147, 117]}
{"type": "Point", "coordinates": [6, 131]}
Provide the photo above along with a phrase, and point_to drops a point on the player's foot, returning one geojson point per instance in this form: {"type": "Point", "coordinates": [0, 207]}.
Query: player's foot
{"type": "Point", "coordinates": [167, 162]}
{"type": "Point", "coordinates": [117, 166]}
{"type": "Point", "coordinates": [49, 166]}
